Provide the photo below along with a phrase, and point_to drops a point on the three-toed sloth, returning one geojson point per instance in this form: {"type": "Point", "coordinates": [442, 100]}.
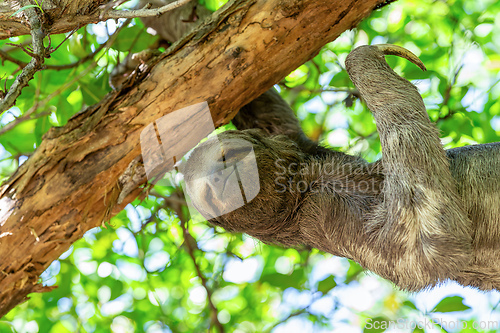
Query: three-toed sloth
{"type": "Point", "coordinates": [417, 217]}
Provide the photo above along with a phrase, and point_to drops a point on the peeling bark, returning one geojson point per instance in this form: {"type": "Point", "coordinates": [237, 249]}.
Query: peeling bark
{"type": "Point", "coordinates": [61, 16]}
{"type": "Point", "coordinates": [70, 184]}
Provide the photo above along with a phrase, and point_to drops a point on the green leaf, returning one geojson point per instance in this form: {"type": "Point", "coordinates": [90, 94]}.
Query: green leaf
{"type": "Point", "coordinates": [326, 285]}
{"type": "Point", "coordinates": [128, 37]}
{"type": "Point", "coordinates": [354, 270]}
{"type": "Point", "coordinates": [451, 304]}
{"type": "Point", "coordinates": [59, 328]}
{"type": "Point", "coordinates": [65, 109]}
{"type": "Point", "coordinates": [341, 79]}
{"type": "Point", "coordinates": [6, 327]}
{"type": "Point", "coordinates": [21, 139]}
{"type": "Point", "coordinates": [410, 304]}
{"type": "Point", "coordinates": [294, 280]}
{"type": "Point", "coordinates": [93, 90]}
{"type": "Point", "coordinates": [75, 46]}
{"type": "Point", "coordinates": [41, 127]}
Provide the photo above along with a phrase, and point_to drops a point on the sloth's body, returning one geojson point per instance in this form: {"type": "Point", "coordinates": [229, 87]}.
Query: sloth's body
{"type": "Point", "coordinates": [417, 217]}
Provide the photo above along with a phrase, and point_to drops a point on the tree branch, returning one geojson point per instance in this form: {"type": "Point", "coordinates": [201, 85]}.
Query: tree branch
{"type": "Point", "coordinates": [77, 13]}
{"type": "Point", "coordinates": [36, 63]}
{"type": "Point", "coordinates": [191, 246]}
{"type": "Point", "coordinates": [27, 115]}
{"type": "Point", "coordinates": [143, 12]}
{"type": "Point", "coordinates": [5, 56]}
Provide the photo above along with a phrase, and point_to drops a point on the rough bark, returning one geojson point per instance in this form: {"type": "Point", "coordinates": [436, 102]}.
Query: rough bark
{"type": "Point", "coordinates": [70, 184]}
{"type": "Point", "coordinates": [61, 16]}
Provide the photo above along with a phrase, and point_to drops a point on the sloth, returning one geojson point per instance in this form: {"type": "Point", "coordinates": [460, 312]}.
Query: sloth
{"type": "Point", "coordinates": [419, 216]}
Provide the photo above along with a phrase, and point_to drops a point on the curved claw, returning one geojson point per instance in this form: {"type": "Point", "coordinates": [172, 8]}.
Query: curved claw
{"type": "Point", "coordinates": [389, 49]}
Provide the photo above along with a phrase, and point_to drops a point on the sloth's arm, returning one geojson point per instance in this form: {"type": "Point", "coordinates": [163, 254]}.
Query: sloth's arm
{"type": "Point", "coordinates": [272, 114]}
{"type": "Point", "coordinates": [269, 112]}
{"type": "Point", "coordinates": [420, 226]}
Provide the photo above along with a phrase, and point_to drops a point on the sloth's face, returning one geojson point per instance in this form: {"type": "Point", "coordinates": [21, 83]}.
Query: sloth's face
{"type": "Point", "coordinates": [231, 180]}
{"type": "Point", "coordinates": [222, 174]}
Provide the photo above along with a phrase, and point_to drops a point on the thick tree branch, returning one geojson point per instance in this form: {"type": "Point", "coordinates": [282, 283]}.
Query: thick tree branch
{"type": "Point", "coordinates": [70, 184]}
{"type": "Point", "coordinates": [76, 13]}
{"type": "Point", "coordinates": [143, 12]}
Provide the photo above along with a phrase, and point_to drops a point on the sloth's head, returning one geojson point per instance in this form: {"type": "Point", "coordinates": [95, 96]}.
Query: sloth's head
{"type": "Point", "coordinates": [231, 180]}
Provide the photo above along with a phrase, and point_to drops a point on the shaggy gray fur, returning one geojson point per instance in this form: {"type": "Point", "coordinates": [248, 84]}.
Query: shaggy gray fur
{"type": "Point", "coordinates": [419, 216]}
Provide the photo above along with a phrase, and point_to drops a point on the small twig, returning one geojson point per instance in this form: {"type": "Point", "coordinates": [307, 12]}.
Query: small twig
{"type": "Point", "coordinates": [88, 57]}
{"type": "Point", "coordinates": [12, 49]}
{"type": "Point", "coordinates": [191, 246]}
{"type": "Point", "coordinates": [109, 6]}
{"type": "Point", "coordinates": [37, 91]}
{"type": "Point", "coordinates": [26, 116]}
{"type": "Point", "coordinates": [65, 39]}
{"type": "Point", "coordinates": [152, 219]}
{"type": "Point", "coordinates": [36, 63]}
{"type": "Point", "coordinates": [42, 104]}
{"type": "Point", "coordinates": [318, 132]}
{"type": "Point", "coordinates": [353, 92]}
{"type": "Point", "coordinates": [143, 12]}
{"type": "Point", "coordinates": [294, 314]}
{"type": "Point", "coordinates": [76, 63]}
{"type": "Point", "coordinates": [19, 120]}
{"type": "Point", "coordinates": [2, 92]}
{"type": "Point", "coordinates": [57, 92]}
{"type": "Point", "coordinates": [163, 313]}
{"type": "Point", "coordinates": [24, 49]}
{"type": "Point", "coordinates": [5, 56]}
{"type": "Point", "coordinates": [447, 95]}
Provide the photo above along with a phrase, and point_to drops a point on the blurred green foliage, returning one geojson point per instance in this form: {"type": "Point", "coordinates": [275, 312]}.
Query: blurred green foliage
{"type": "Point", "coordinates": [149, 272]}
